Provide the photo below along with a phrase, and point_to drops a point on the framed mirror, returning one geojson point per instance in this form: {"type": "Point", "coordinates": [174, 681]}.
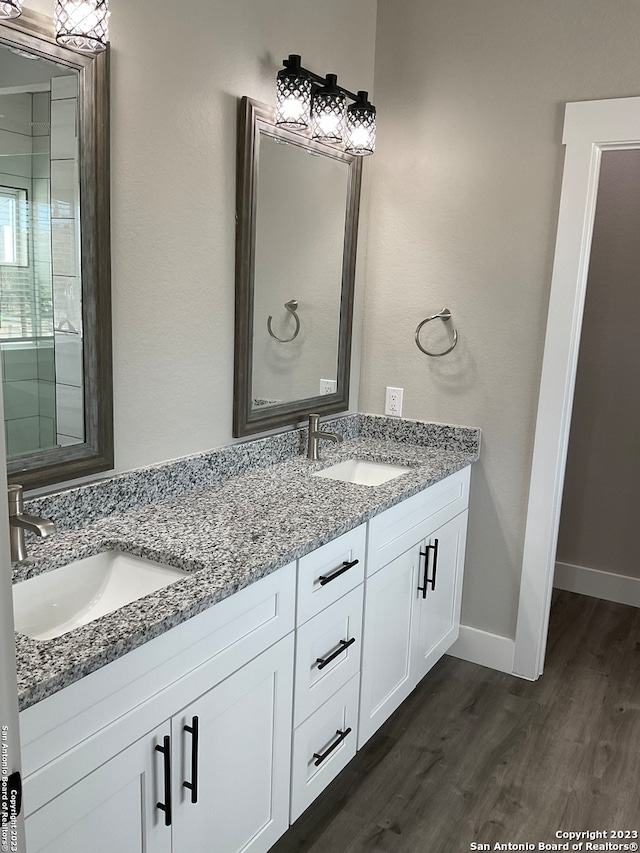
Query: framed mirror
{"type": "Point", "coordinates": [55, 274]}
{"type": "Point", "coordinates": [297, 226]}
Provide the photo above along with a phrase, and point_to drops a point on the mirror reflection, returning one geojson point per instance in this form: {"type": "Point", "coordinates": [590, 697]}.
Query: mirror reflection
{"type": "Point", "coordinates": [298, 208]}
{"type": "Point", "coordinates": [300, 226]}
{"type": "Point", "coordinates": [41, 327]}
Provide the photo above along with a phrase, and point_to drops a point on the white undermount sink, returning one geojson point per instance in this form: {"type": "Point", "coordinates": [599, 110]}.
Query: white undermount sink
{"type": "Point", "coordinates": [55, 602]}
{"type": "Point", "coordinates": [363, 472]}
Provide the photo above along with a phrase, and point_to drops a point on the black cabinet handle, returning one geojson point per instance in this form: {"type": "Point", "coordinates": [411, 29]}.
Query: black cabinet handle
{"type": "Point", "coordinates": [344, 644]}
{"type": "Point", "coordinates": [194, 731]}
{"type": "Point", "coordinates": [344, 568]}
{"type": "Point", "coordinates": [165, 807]}
{"type": "Point", "coordinates": [320, 757]}
{"type": "Point", "coordinates": [429, 580]}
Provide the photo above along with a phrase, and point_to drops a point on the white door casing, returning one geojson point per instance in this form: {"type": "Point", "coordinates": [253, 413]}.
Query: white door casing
{"type": "Point", "coordinates": [590, 128]}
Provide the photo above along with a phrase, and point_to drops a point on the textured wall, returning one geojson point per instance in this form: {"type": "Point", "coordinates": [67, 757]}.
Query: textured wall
{"type": "Point", "coordinates": [599, 522]}
{"type": "Point", "coordinates": [465, 192]}
{"type": "Point", "coordinates": [177, 71]}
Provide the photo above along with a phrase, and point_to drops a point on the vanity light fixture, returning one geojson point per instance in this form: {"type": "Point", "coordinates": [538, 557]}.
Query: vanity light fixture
{"type": "Point", "coordinates": [306, 102]}
{"type": "Point", "coordinates": [10, 9]}
{"type": "Point", "coordinates": [82, 25]}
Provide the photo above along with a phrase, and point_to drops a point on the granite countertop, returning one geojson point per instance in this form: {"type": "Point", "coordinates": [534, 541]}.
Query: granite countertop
{"type": "Point", "coordinates": [225, 536]}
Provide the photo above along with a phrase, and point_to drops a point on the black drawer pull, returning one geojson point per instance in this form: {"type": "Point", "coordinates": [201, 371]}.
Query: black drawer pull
{"type": "Point", "coordinates": [344, 568]}
{"type": "Point", "coordinates": [427, 579]}
{"type": "Point", "coordinates": [344, 644]}
{"type": "Point", "coordinates": [194, 731]}
{"type": "Point", "coordinates": [166, 806]}
{"type": "Point", "coordinates": [320, 757]}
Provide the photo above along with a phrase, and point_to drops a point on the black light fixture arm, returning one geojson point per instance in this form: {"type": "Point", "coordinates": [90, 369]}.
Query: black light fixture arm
{"type": "Point", "coordinates": [293, 63]}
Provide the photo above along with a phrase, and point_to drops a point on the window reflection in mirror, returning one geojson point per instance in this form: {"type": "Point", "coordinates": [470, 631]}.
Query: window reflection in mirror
{"type": "Point", "coordinates": [40, 289]}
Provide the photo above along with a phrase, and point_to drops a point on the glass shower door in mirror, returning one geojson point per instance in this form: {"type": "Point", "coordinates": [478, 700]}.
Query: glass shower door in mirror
{"type": "Point", "coordinates": [41, 326]}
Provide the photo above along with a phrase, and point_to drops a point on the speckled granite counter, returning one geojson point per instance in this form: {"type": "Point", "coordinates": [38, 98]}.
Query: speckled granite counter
{"type": "Point", "coordinates": [225, 533]}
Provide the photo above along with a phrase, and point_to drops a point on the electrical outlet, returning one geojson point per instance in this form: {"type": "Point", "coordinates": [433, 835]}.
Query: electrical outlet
{"type": "Point", "coordinates": [393, 402]}
{"type": "Point", "coordinates": [328, 386]}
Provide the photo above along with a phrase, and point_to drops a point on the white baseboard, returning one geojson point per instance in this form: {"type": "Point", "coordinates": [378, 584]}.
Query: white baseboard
{"type": "Point", "coordinates": [483, 648]}
{"type": "Point", "coordinates": [598, 584]}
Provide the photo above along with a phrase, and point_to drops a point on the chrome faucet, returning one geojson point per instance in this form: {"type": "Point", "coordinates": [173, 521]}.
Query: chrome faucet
{"type": "Point", "coordinates": [19, 521]}
{"type": "Point", "coordinates": [315, 435]}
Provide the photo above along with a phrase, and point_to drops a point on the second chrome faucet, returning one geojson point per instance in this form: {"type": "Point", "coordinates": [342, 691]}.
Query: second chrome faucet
{"type": "Point", "coordinates": [316, 435]}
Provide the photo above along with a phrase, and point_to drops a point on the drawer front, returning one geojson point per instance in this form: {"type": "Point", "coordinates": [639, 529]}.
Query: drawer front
{"type": "Point", "coordinates": [323, 576]}
{"type": "Point", "coordinates": [328, 651]}
{"type": "Point", "coordinates": [397, 529]}
{"type": "Point", "coordinates": [328, 737]}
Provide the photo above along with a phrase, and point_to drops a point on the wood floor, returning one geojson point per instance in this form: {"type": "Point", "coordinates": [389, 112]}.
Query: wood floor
{"type": "Point", "coordinates": [477, 756]}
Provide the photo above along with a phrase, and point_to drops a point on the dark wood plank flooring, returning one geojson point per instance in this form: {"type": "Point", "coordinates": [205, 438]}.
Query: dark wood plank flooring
{"type": "Point", "coordinates": [477, 756]}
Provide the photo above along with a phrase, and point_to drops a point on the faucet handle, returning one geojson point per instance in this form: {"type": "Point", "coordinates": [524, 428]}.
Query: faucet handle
{"type": "Point", "coordinates": [16, 500]}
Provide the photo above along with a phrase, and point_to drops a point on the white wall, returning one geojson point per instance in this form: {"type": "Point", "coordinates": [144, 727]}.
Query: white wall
{"type": "Point", "coordinates": [177, 71]}
{"type": "Point", "coordinates": [465, 191]}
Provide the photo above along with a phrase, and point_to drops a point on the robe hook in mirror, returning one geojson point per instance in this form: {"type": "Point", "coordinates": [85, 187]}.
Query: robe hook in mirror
{"type": "Point", "coordinates": [445, 316]}
{"type": "Point", "coordinates": [292, 307]}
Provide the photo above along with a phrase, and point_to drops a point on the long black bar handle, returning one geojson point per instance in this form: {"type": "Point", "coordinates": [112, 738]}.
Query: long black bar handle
{"type": "Point", "coordinates": [344, 644]}
{"type": "Point", "coordinates": [320, 757]}
{"type": "Point", "coordinates": [432, 580]}
{"type": "Point", "coordinates": [324, 579]}
{"type": "Point", "coordinates": [427, 579]}
{"type": "Point", "coordinates": [194, 731]}
{"type": "Point", "coordinates": [165, 807]}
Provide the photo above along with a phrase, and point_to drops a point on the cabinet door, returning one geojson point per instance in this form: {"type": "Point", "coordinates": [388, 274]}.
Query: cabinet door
{"type": "Point", "coordinates": [386, 645]}
{"type": "Point", "coordinates": [437, 619]}
{"type": "Point", "coordinates": [242, 760]}
{"type": "Point", "coordinates": [113, 808]}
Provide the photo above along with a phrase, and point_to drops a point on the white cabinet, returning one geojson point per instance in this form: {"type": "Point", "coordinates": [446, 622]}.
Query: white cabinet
{"type": "Point", "coordinates": [233, 746]}
{"type": "Point", "coordinates": [439, 593]}
{"type": "Point", "coordinates": [412, 603]}
{"type": "Point", "coordinates": [198, 741]}
{"type": "Point", "coordinates": [222, 727]}
{"type": "Point", "coordinates": [217, 770]}
{"type": "Point", "coordinates": [387, 677]}
{"type": "Point", "coordinates": [110, 809]}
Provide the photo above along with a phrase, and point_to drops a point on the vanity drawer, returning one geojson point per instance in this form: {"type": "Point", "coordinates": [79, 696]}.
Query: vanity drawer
{"type": "Point", "coordinates": [326, 574]}
{"type": "Point", "coordinates": [328, 737]}
{"type": "Point", "coordinates": [328, 653]}
{"type": "Point", "coordinates": [397, 529]}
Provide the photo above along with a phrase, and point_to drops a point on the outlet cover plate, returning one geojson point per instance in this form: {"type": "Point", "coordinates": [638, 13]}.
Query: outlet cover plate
{"type": "Point", "coordinates": [393, 402]}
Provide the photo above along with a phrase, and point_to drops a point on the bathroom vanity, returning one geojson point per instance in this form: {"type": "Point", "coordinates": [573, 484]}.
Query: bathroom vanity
{"type": "Point", "coordinates": [210, 714]}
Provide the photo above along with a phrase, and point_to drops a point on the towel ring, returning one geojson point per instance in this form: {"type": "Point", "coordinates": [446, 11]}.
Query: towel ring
{"type": "Point", "coordinates": [445, 316]}
{"type": "Point", "coordinates": [292, 307]}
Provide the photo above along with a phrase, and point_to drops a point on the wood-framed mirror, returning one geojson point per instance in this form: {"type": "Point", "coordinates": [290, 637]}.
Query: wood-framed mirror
{"type": "Point", "coordinates": [55, 269]}
{"type": "Point", "coordinates": [297, 226]}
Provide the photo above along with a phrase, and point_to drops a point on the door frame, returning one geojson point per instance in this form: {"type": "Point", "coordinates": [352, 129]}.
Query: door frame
{"type": "Point", "coordinates": [590, 128]}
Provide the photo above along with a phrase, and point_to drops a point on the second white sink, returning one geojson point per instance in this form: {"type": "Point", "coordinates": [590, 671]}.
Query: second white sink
{"type": "Point", "coordinates": [363, 472]}
{"type": "Point", "coordinates": [55, 602]}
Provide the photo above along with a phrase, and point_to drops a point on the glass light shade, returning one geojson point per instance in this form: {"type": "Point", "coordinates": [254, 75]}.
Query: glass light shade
{"type": "Point", "coordinates": [328, 112]}
{"type": "Point", "coordinates": [293, 100]}
{"type": "Point", "coordinates": [82, 25]}
{"type": "Point", "coordinates": [361, 127]}
{"type": "Point", "coordinates": [10, 9]}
